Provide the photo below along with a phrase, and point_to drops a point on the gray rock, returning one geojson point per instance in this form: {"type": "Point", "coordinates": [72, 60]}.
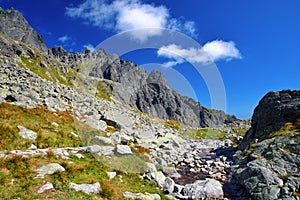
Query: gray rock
{"type": "Point", "coordinates": [93, 149]}
{"type": "Point", "coordinates": [123, 149]}
{"type": "Point", "coordinates": [47, 186]}
{"type": "Point", "coordinates": [78, 155]}
{"type": "Point", "coordinates": [171, 171]}
{"type": "Point", "coordinates": [86, 188]}
{"type": "Point", "coordinates": [104, 140]}
{"type": "Point", "coordinates": [26, 133]}
{"type": "Point", "coordinates": [101, 150]}
{"type": "Point", "coordinates": [116, 138]}
{"type": "Point", "coordinates": [159, 178]}
{"type": "Point", "coordinates": [204, 189]}
{"type": "Point", "coordinates": [49, 169]}
{"type": "Point", "coordinates": [169, 185]}
{"type": "Point", "coordinates": [96, 124]}
{"type": "Point", "coordinates": [140, 196]}
{"type": "Point", "coordinates": [273, 111]}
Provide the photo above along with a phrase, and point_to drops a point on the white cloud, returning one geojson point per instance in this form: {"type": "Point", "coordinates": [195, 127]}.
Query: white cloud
{"type": "Point", "coordinates": [64, 39]}
{"type": "Point", "coordinates": [125, 15]}
{"type": "Point", "coordinates": [219, 49]}
{"type": "Point", "coordinates": [211, 51]}
{"type": "Point", "coordinates": [89, 47]}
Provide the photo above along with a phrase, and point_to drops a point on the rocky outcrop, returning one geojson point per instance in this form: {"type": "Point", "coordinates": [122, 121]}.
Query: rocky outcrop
{"type": "Point", "coordinates": [268, 164]}
{"type": "Point", "coordinates": [14, 25]}
{"type": "Point", "coordinates": [273, 111]}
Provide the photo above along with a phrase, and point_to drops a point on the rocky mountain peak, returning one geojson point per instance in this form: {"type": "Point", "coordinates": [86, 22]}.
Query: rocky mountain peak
{"type": "Point", "coordinates": [157, 77]}
{"type": "Point", "coordinates": [14, 25]}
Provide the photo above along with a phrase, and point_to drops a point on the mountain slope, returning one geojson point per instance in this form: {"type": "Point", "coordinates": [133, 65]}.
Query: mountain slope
{"type": "Point", "coordinates": [123, 80]}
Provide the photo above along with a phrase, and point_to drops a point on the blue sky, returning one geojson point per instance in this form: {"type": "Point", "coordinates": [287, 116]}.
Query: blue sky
{"type": "Point", "coordinates": [254, 44]}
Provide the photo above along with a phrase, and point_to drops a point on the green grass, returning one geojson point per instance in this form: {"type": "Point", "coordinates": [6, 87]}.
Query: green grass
{"type": "Point", "coordinates": [288, 129]}
{"type": "Point", "coordinates": [51, 73]}
{"type": "Point", "coordinates": [193, 133]}
{"type": "Point", "coordinates": [87, 170]}
{"type": "Point", "coordinates": [101, 92]}
{"type": "Point", "coordinates": [39, 120]}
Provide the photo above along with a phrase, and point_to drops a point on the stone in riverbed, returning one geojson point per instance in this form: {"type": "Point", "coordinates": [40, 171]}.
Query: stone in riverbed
{"type": "Point", "coordinates": [204, 189]}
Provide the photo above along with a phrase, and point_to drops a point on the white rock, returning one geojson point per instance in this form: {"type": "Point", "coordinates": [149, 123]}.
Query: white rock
{"type": "Point", "coordinates": [104, 140]}
{"type": "Point", "coordinates": [111, 175]}
{"type": "Point", "coordinates": [47, 186]}
{"type": "Point", "coordinates": [74, 135]}
{"type": "Point", "coordinates": [55, 124]}
{"type": "Point", "coordinates": [123, 149]}
{"type": "Point", "coordinates": [78, 155]}
{"type": "Point", "coordinates": [32, 147]}
{"type": "Point", "coordinates": [86, 188]}
{"type": "Point", "coordinates": [49, 169]}
{"type": "Point", "coordinates": [26, 133]}
{"type": "Point", "coordinates": [159, 178]}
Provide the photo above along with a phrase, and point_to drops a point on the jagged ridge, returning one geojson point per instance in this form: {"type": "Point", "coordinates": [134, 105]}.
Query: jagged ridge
{"type": "Point", "coordinates": [127, 82]}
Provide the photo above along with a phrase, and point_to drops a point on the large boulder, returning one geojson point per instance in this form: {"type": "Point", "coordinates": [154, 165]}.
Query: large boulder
{"type": "Point", "coordinates": [268, 162]}
{"type": "Point", "coordinates": [273, 111]}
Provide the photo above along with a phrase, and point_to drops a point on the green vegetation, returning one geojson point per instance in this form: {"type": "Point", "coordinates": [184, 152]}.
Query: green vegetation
{"type": "Point", "coordinates": [51, 73]}
{"type": "Point", "coordinates": [87, 170]}
{"type": "Point", "coordinates": [289, 128]}
{"type": "Point", "coordinates": [39, 120]}
{"type": "Point", "coordinates": [17, 174]}
{"type": "Point", "coordinates": [101, 92]}
{"type": "Point", "coordinates": [173, 124]}
{"type": "Point", "coordinates": [198, 134]}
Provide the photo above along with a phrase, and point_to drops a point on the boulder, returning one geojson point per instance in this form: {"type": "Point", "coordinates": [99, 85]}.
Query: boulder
{"type": "Point", "coordinates": [47, 186]}
{"type": "Point", "coordinates": [273, 111]}
{"type": "Point", "coordinates": [204, 189]}
{"type": "Point", "coordinates": [26, 133]}
{"type": "Point", "coordinates": [49, 169]}
{"type": "Point", "coordinates": [86, 188]}
{"type": "Point", "coordinates": [123, 150]}
{"type": "Point", "coordinates": [169, 185]}
{"type": "Point", "coordinates": [104, 140]}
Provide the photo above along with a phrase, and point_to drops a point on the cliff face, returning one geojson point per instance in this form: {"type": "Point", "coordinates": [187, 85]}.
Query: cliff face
{"type": "Point", "coordinates": [149, 93]}
{"type": "Point", "coordinates": [124, 80]}
{"type": "Point", "coordinates": [14, 25]}
{"type": "Point", "coordinates": [273, 111]}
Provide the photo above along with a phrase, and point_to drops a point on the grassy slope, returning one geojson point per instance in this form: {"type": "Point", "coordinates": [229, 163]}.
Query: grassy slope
{"type": "Point", "coordinates": [21, 171]}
